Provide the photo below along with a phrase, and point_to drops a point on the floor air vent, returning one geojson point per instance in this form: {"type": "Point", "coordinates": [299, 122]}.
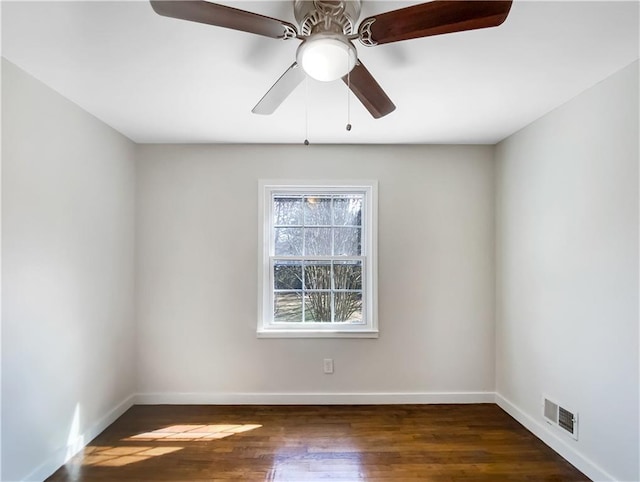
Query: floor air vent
{"type": "Point", "coordinates": [561, 417]}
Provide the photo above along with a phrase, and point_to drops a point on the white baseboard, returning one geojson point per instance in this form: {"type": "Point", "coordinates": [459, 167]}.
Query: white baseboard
{"type": "Point", "coordinates": [61, 456]}
{"type": "Point", "coordinates": [562, 447]}
{"type": "Point", "coordinates": [312, 398]}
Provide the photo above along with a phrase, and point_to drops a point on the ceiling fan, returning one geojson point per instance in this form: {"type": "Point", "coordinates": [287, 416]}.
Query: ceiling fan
{"type": "Point", "coordinates": [327, 29]}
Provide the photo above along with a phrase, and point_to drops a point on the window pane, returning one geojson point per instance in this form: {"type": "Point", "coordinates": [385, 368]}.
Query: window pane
{"type": "Point", "coordinates": [347, 242]}
{"type": "Point", "coordinates": [347, 275]}
{"type": "Point", "coordinates": [317, 211]}
{"type": "Point", "coordinates": [288, 241]}
{"type": "Point", "coordinates": [317, 241]}
{"type": "Point", "coordinates": [287, 275]}
{"type": "Point", "coordinates": [348, 307]}
{"type": "Point", "coordinates": [317, 275]}
{"type": "Point", "coordinates": [317, 306]}
{"type": "Point", "coordinates": [347, 211]}
{"type": "Point", "coordinates": [287, 211]}
{"type": "Point", "coordinates": [287, 307]}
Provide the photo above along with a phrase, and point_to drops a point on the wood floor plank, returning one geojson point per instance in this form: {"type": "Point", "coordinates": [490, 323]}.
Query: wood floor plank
{"type": "Point", "coordinates": [434, 443]}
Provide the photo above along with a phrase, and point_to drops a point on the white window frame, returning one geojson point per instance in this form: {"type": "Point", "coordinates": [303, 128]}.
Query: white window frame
{"type": "Point", "coordinates": [267, 328]}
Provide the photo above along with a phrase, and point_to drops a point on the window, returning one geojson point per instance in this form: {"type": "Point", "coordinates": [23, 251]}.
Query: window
{"type": "Point", "coordinates": [318, 259]}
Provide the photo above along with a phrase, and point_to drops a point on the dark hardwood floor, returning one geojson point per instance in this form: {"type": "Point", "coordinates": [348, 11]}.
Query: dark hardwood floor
{"type": "Point", "coordinates": [314, 443]}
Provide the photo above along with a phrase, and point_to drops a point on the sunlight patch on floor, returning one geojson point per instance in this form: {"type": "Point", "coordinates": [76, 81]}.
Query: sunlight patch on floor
{"type": "Point", "coordinates": [193, 432]}
{"type": "Point", "coordinates": [118, 456]}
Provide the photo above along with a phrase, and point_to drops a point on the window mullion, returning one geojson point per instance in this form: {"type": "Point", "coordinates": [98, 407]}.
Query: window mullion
{"type": "Point", "coordinates": [331, 292]}
{"type": "Point", "coordinates": [304, 287]}
{"type": "Point", "coordinates": [333, 252]}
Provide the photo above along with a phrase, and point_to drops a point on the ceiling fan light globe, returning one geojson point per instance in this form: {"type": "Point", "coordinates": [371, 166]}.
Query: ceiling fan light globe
{"type": "Point", "coordinates": [326, 57]}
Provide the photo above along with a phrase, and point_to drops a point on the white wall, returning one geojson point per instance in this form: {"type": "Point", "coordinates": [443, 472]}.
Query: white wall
{"type": "Point", "coordinates": [567, 271]}
{"type": "Point", "coordinates": [197, 274]}
{"type": "Point", "coordinates": [68, 282]}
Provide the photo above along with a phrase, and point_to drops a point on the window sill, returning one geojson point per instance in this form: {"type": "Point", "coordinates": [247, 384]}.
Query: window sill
{"type": "Point", "coordinates": [316, 334]}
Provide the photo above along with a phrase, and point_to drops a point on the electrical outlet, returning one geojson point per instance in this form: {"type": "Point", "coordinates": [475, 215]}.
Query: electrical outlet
{"type": "Point", "coordinates": [328, 365]}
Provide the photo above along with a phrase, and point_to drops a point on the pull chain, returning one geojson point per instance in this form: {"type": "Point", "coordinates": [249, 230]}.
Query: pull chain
{"type": "Point", "coordinates": [306, 112]}
{"type": "Point", "coordinates": [348, 96]}
{"type": "Point", "coordinates": [349, 101]}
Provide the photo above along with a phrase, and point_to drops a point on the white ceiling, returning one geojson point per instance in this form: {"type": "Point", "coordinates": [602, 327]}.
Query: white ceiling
{"type": "Point", "coordinates": [157, 79]}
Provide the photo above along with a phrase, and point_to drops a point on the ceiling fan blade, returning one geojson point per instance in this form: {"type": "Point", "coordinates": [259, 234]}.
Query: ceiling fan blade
{"type": "Point", "coordinates": [223, 16]}
{"type": "Point", "coordinates": [280, 90]}
{"type": "Point", "coordinates": [368, 91]}
{"type": "Point", "coordinates": [432, 18]}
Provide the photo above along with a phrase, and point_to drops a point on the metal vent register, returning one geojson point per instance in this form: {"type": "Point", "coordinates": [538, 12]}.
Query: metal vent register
{"type": "Point", "coordinates": [561, 417]}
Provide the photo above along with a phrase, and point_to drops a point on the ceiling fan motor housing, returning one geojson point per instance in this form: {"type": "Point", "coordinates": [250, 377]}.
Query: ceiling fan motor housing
{"type": "Point", "coordinates": [311, 15]}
